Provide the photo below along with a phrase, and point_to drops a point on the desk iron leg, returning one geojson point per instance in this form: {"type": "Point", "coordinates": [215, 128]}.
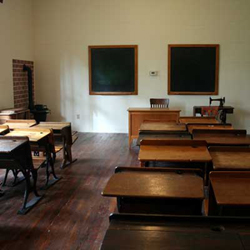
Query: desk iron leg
{"type": "Point", "coordinates": [50, 163]}
{"type": "Point", "coordinates": [27, 206]}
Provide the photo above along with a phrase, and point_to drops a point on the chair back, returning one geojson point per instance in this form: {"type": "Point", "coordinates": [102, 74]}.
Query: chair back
{"type": "Point", "coordinates": [159, 103]}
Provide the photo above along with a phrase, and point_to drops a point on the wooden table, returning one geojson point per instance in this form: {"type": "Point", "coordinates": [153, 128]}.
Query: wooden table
{"type": "Point", "coordinates": [15, 154]}
{"type": "Point", "coordinates": [64, 130]}
{"type": "Point", "coordinates": [39, 141]}
{"type": "Point", "coordinates": [197, 120]}
{"type": "Point", "coordinates": [15, 124]}
{"type": "Point", "coordinates": [176, 232]}
{"type": "Point", "coordinates": [232, 137]}
{"type": "Point", "coordinates": [137, 115]}
{"type": "Point", "coordinates": [229, 193]}
{"type": "Point", "coordinates": [191, 127]}
{"type": "Point", "coordinates": [156, 190]}
{"type": "Point", "coordinates": [3, 129]}
{"type": "Point", "coordinates": [230, 158]}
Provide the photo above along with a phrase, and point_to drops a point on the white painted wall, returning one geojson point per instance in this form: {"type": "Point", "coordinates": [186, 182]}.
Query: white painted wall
{"type": "Point", "coordinates": [64, 29]}
{"type": "Point", "coordinates": [16, 42]}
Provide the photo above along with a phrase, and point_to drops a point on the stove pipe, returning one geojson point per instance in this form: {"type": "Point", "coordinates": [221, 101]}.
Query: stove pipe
{"type": "Point", "coordinates": [30, 89]}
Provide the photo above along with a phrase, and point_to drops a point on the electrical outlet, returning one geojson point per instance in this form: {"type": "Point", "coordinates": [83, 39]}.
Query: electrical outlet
{"type": "Point", "coordinates": [78, 116]}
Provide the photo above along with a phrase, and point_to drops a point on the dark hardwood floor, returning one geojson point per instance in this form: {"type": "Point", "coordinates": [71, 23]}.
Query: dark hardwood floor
{"type": "Point", "coordinates": [72, 214]}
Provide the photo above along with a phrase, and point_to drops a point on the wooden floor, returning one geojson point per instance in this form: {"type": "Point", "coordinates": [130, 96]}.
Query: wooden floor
{"type": "Point", "coordinates": [73, 214]}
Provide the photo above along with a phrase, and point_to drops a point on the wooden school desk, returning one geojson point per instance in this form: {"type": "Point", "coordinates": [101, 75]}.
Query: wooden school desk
{"type": "Point", "coordinates": [14, 124]}
{"type": "Point", "coordinates": [15, 154]}
{"type": "Point", "coordinates": [152, 130]}
{"type": "Point", "coordinates": [3, 129]}
{"type": "Point", "coordinates": [234, 137]}
{"type": "Point", "coordinates": [156, 190]}
{"type": "Point", "coordinates": [230, 158]}
{"type": "Point", "coordinates": [191, 127]}
{"type": "Point", "coordinates": [62, 129]}
{"type": "Point", "coordinates": [137, 115]}
{"type": "Point", "coordinates": [159, 232]}
{"type": "Point", "coordinates": [229, 193]}
{"type": "Point", "coordinates": [197, 120]}
{"type": "Point", "coordinates": [39, 141]}
{"type": "Point", "coordinates": [173, 151]}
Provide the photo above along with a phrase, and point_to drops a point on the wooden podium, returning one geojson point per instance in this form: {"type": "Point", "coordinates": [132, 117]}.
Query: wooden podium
{"type": "Point", "coordinates": [136, 116]}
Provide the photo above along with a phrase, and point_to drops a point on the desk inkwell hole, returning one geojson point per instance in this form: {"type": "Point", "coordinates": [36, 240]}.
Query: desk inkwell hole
{"type": "Point", "coordinates": [217, 228]}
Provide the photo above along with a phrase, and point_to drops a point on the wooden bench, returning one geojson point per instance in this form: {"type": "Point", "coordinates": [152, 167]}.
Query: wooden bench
{"type": "Point", "coordinates": [156, 190]}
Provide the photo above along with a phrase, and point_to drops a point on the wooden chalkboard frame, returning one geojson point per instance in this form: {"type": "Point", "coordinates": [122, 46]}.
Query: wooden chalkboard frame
{"type": "Point", "coordinates": [135, 92]}
{"type": "Point", "coordinates": [215, 92]}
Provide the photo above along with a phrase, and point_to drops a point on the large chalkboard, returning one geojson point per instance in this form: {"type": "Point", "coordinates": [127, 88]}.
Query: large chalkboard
{"type": "Point", "coordinates": [193, 69]}
{"type": "Point", "coordinates": [113, 70]}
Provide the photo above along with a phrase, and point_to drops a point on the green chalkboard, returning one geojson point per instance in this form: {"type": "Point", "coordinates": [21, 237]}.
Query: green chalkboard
{"type": "Point", "coordinates": [193, 69]}
{"type": "Point", "coordinates": [113, 70]}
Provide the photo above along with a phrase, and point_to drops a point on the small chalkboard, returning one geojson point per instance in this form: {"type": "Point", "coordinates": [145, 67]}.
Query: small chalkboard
{"type": "Point", "coordinates": [193, 69]}
{"type": "Point", "coordinates": [113, 70]}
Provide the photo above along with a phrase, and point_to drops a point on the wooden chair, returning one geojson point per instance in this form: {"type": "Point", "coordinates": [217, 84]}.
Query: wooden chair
{"type": "Point", "coordinates": [159, 103]}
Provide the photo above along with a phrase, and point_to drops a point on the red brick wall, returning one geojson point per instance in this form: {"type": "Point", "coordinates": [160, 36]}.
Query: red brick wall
{"type": "Point", "coordinates": [20, 83]}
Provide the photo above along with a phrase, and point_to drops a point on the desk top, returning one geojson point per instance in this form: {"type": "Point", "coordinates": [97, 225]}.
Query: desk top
{"type": "Point", "coordinates": [198, 120]}
{"type": "Point", "coordinates": [162, 136]}
{"type": "Point", "coordinates": [153, 110]}
{"type": "Point", "coordinates": [53, 125]}
{"type": "Point", "coordinates": [231, 188]}
{"type": "Point", "coordinates": [155, 184]}
{"type": "Point", "coordinates": [174, 151]}
{"type": "Point", "coordinates": [3, 128]}
{"type": "Point", "coordinates": [208, 127]}
{"type": "Point", "coordinates": [221, 141]}
{"type": "Point", "coordinates": [9, 145]}
{"type": "Point", "coordinates": [15, 125]}
{"type": "Point", "coordinates": [33, 135]}
{"type": "Point", "coordinates": [176, 232]}
{"type": "Point", "coordinates": [162, 126]}
{"type": "Point", "coordinates": [230, 158]}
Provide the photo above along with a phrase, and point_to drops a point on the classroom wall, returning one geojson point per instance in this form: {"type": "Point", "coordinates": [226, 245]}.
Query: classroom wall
{"type": "Point", "coordinates": [16, 42]}
{"type": "Point", "coordinates": [64, 29]}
